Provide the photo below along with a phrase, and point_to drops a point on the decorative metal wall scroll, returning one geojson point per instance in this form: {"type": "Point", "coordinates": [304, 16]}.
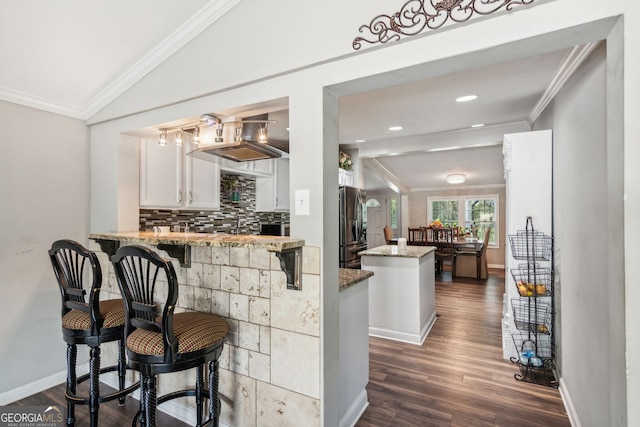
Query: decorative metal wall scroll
{"type": "Point", "coordinates": [418, 15]}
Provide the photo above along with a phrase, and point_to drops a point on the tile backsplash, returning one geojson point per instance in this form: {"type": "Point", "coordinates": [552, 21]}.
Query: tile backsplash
{"type": "Point", "coordinates": [223, 220]}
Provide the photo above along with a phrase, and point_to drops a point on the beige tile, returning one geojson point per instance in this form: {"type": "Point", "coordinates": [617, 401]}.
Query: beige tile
{"type": "Point", "coordinates": [239, 360]}
{"type": "Point", "coordinates": [311, 260]}
{"type": "Point", "coordinates": [238, 396]}
{"type": "Point", "coordinates": [265, 340]}
{"type": "Point", "coordinates": [220, 256]}
{"type": "Point", "coordinates": [239, 257]}
{"type": "Point", "coordinates": [220, 303]}
{"type": "Point", "coordinates": [185, 297]}
{"type": "Point", "coordinates": [202, 300]}
{"type": "Point", "coordinates": [282, 408]}
{"type": "Point", "coordinates": [230, 279]}
{"type": "Point", "coordinates": [260, 311]}
{"type": "Point", "coordinates": [201, 254]}
{"type": "Point", "coordinates": [233, 333]}
{"type": "Point", "coordinates": [265, 283]}
{"type": "Point", "coordinates": [298, 311]}
{"type": "Point", "coordinates": [295, 362]}
{"type": "Point", "coordinates": [194, 274]}
{"type": "Point", "coordinates": [250, 281]}
{"type": "Point", "coordinates": [211, 276]}
{"type": "Point", "coordinates": [260, 366]}
{"type": "Point", "coordinates": [259, 258]}
{"type": "Point", "coordinates": [249, 336]}
{"type": "Point", "coordinates": [279, 283]}
{"type": "Point", "coordinates": [239, 307]}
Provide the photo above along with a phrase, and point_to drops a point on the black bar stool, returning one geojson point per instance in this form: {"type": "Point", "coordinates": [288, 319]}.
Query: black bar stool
{"type": "Point", "coordinates": [159, 341]}
{"type": "Point", "coordinates": [91, 323]}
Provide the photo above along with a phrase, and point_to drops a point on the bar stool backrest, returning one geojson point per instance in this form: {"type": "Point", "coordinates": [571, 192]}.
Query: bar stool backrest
{"type": "Point", "coordinates": [69, 260]}
{"type": "Point", "coordinates": [141, 275]}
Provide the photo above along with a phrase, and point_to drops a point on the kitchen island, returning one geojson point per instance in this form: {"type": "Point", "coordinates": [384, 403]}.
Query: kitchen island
{"type": "Point", "coordinates": [270, 364]}
{"type": "Point", "coordinates": [401, 292]}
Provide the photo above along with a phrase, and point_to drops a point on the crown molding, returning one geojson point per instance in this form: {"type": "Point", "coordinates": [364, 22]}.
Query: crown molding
{"type": "Point", "coordinates": [569, 65]}
{"type": "Point", "coordinates": [29, 100]}
{"type": "Point", "coordinates": [456, 188]}
{"type": "Point", "coordinates": [201, 20]}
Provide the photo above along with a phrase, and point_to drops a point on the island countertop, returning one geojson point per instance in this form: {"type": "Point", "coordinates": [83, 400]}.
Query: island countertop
{"type": "Point", "coordinates": [348, 277]}
{"type": "Point", "coordinates": [271, 243]}
{"type": "Point", "coordinates": [393, 251]}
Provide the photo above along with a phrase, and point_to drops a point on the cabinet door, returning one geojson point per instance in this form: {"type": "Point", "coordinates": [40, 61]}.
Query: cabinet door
{"type": "Point", "coordinates": [272, 193]}
{"type": "Point", "coordinates": [160, 174]}
{"type": "Point", "coordinates": [281, 183]}
{"type": "Point", "coordinates": [203, 183]}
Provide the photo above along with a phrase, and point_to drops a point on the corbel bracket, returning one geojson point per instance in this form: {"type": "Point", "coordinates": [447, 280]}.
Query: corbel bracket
{"type": "Point", "coordinates": [291, 264]}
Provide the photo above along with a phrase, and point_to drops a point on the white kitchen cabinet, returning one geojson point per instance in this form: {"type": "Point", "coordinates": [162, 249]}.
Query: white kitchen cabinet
{"type": "Point", "coordinates": [345, 177]}
{"type": "Point", "coordinates": [171, 179]}
{"type": "Point", "coordinates": [255, 168]}
{"type": "Point", "coordinates": [272, 192]}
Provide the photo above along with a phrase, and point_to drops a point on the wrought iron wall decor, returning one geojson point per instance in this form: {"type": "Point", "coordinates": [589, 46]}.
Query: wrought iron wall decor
{"type": "Point", "coordinates": [418, 15]}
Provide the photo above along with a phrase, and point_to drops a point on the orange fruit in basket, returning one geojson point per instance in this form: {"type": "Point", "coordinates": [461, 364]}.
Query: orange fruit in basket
{"type": "Point", "coordinates": [541, 289]}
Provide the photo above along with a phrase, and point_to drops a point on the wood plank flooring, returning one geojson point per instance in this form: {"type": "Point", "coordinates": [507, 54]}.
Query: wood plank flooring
{"type": "Point", "coordinates": [458, 377]}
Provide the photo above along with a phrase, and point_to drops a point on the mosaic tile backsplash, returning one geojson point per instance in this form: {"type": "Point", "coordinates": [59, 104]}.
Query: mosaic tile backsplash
{"type": "Point", "coordinates": [234, 216]}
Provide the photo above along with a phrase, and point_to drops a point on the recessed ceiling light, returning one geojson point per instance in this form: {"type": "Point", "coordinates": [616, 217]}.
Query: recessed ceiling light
{"type": "Point", "coordinates": [395, 128]}
{"type": "Point", "coordinates": [359, 140]}
{"type": "Point", "coordinates": [466, 98]}
{"type": "Point", "coordinates": [479, 125]}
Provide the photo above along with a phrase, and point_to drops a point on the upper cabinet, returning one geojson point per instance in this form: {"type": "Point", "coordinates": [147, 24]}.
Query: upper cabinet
{"type": "Point", "coordinates": [272, 192]}
{"type": "Point", "coordinates": [171, 179]}
{"type": "Point", "coordinates": [251, 168]}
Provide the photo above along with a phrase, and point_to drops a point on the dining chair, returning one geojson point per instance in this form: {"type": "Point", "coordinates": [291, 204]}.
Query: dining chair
{"type": "Point", "coordinates": [416, 236]}
{"type": "Point", "coordinates": [443, 238]}
{"type": "Point", "coordinates": [387, 234]}
{"type": "Point", "coordinates": [476, 257]}
{"type": "Point", "coordinates": [160, 341]}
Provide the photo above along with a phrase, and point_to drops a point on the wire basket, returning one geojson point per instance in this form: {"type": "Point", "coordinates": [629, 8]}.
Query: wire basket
{"type": "Point", "coordinates": [531, 315]}
{"type": "Point", "coordinates": [530, 245]}
{"type": "Point", "coordinates": [532, 280]}
{"type": "Point", "coordinates": [533, 351]}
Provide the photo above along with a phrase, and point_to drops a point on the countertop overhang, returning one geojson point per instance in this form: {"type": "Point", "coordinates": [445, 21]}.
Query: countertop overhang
{"type": "Point", "coordinates": [270, 243]}
{"type": "Point", "coordinates": [393, 251]}
{"type": "Point", "coordinates": [348, 277]}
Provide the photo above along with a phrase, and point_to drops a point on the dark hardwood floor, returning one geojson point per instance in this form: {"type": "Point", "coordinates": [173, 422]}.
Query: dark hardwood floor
{"type": "Point", "coordinates": [458, 376]}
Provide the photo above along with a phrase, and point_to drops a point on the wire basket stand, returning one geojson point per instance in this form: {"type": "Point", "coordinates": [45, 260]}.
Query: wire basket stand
{"type": "Point", "coordinates": [532, 317]}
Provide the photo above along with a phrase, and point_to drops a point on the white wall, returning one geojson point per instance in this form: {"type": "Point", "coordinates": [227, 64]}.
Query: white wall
{"type": "Point", "coordinates": [45, 197]}
{"type": "Point", "coordinates": [587, 228]}
{"type": "Point", "coordinates": [286, 55]}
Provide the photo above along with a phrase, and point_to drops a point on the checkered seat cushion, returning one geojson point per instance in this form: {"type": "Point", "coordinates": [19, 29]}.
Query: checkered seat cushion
{"type": "Point", "coordinates": [112, 311]}
{"type": "Point", "coordinates": [194, 331]}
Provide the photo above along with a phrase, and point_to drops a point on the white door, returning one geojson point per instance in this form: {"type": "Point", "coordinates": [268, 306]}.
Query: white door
{"type": "Point", "coordinates": [376, 220]}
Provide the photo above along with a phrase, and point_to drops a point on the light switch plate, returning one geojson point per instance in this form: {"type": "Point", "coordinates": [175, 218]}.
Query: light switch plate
{"type": "Point", "coordinates": [302, 202]}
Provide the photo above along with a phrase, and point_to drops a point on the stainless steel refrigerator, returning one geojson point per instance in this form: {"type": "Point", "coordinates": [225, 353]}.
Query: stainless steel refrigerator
{"type": "Point", "coordinates": [353, 234]}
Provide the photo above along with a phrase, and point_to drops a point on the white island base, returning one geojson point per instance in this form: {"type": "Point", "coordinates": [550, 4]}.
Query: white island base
{"type": "Point", "coordinates": [401, 292]}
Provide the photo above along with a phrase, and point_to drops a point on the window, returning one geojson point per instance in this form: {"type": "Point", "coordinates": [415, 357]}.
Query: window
{"type": "Point", "coordinates": [469, 213]}
{"type": "Point", "coordinates": [393, 213]}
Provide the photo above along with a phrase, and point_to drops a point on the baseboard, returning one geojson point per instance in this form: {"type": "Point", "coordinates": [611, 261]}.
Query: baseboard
{"type": "Point", "coordinates": [40, 385]}
{"type": "Point", "coordinates": [173, 408]}
{"type": "Point", "coordinates": [402, 336]}
{"type": "Point", "coordinates": [568, 405]}
{"type": "Point", "coordinates": [499, 266]}
{"type": "Point", "coordinates": [355, 410]}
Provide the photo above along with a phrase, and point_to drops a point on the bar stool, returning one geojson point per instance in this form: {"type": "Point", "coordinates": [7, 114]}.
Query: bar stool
{"type": "Point", "coordinates": [91, 323]}
{"type": "Point", "coordinates": [159, 341]}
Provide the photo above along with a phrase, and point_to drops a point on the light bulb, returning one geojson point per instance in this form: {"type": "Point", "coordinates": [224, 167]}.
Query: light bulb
{"type": "Point", "coordinates": [163, 138]}
{"type": "Point", "coordinates": [262, 135]}
{"type": "Point", "coordinates": [179, 138]}
{"type": "Point", "coordinates": [196, 135]}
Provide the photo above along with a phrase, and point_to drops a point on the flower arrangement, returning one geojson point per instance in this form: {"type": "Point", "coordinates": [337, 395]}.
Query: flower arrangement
{"type": "Point", "coordinates": [344, 161]}
{"type": "Point", "coordinates": [436, 224]}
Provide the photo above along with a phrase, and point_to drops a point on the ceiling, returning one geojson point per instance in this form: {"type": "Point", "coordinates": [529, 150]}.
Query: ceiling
{"type": "Point", "coordinates": [73, 57]}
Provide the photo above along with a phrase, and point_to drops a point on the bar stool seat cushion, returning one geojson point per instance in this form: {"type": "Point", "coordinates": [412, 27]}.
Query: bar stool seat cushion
{"type": "Point", "coordinates": [194, 331]}
{"type": "Point", "coordinates": [112, 310]}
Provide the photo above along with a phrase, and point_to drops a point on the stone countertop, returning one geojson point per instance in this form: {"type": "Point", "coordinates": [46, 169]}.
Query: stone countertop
{"type": "Point", "coordinates": [271, 243]}
{"type": "Point", "coordinates": [393, 251]}
{"type": "Point", "coordinates": [348, 277]}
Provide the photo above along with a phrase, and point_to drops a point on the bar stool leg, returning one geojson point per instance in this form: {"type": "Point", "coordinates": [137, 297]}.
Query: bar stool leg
{"type": "Point", "coordinates": [94, 386]}
{"type": "Point", "coordinates": [214, 398]}
{"type": "Point", "coordinates": [199, 394]}
{"type": "Point", "coordinates": [122, 369]}
{"type": "Point", "coordinates": [150, 402]}
{"type": "Point", "coordinates": [72, 352]}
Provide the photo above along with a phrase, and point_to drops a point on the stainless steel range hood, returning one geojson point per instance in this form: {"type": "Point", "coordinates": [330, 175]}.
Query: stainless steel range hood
{"type": "Point", "coordinates": [246, 150]}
